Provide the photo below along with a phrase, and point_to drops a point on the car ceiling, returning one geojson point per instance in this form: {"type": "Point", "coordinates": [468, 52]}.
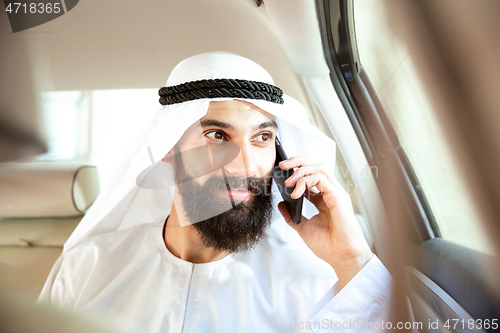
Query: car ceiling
{"type": "Point", "coordinates": [124, 44]}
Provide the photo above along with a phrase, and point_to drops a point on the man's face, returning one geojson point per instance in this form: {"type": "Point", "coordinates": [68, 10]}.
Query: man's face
{"type": "Point", "coordinates": [245, 181]}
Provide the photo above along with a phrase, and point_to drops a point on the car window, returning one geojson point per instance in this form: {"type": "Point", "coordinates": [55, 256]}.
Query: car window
{"type": "Point", "coordinates": [408, 107]}
{"type": "Point", "coordinates": [96, 126]}
{"type": "Point", "coordinates": [66, 120]}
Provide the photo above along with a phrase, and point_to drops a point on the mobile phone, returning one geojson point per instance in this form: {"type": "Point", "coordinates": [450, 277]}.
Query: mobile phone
{"type": "Point", "coordinates": [294, 206]}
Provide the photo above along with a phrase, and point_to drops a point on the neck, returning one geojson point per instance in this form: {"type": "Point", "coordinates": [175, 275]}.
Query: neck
{"type": "Point", "coordinates": [185, 242]}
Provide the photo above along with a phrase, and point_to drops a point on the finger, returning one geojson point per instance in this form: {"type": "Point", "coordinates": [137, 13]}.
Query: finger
{"type": "Point", "coordinates": [306, 171]}
{"type": "Point", "coordinates": [294, 162]}
{"type": "Point", "coordinates": [318, 179]}
{"type": "Point", "coordinates": [299, 163]}
{"type": "Point", "coordinates": [316, 198]}
{"type": "Point", "coordinates": [313, 190]}
{"type": "Point", "coordinates": [336, 183]}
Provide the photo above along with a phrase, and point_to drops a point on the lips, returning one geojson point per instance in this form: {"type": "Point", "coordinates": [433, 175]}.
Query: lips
{"type": "Point", "coordinates": [237, 195]}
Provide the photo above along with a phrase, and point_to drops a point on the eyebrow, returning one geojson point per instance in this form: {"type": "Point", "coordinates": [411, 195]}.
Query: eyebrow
{"type": "Point", "coordinates": [221, 124]}
{"type": "Point", "coordinates": [267, 124]}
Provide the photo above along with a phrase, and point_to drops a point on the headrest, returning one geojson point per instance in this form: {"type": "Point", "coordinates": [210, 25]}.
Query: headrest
{"type": "Point", "coordinates": [37, 232]}
{"type": "Point", "coordinates": [47, 189]}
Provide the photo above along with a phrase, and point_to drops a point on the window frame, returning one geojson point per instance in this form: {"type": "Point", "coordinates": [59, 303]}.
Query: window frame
{"type": "Point", "coordinates": [367, 116]}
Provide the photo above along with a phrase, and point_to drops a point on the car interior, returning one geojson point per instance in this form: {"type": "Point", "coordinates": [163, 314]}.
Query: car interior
{"type": "Point", "coordinates": [408, 90]}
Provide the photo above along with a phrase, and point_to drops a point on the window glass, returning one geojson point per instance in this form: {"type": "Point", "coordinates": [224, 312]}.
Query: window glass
{"type": "Point", "coordinates": [65, 118]}
{"type": "Point", "coordinates": [96, 126]}
{"type": "Point", "coordinates": [395, 79]}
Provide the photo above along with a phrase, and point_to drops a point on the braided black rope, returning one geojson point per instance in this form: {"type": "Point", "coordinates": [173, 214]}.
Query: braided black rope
{"type": "Point", "coordinates": [219, 88]}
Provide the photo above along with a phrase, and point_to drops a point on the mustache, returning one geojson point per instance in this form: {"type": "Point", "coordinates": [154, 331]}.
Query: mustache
{"type": "Point", "coordinates": [255, 185]}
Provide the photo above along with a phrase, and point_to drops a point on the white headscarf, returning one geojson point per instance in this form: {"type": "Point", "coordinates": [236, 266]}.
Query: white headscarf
{"type": "Point", "coordinates": [124, 203]}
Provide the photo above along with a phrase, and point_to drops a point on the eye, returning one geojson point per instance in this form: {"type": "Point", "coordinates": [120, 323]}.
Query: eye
{"type": "Point", "coordinates": [264, 137]}
{"type": "Point", "coordinates": [216, 135]}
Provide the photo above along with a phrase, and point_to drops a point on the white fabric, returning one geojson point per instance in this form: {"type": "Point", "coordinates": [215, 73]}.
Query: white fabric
{"type": "Point", "coordinates": [116, 262]}
{"type": "Point", "coordinates": [130, 276]}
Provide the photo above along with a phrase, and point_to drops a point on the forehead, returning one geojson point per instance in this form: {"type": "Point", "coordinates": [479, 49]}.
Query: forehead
{"type": "Point", "coordinates": [237, 112]}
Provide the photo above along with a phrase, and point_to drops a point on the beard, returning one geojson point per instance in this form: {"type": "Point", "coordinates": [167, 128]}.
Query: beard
{"type": "Point", "coordinates": [235, 230]}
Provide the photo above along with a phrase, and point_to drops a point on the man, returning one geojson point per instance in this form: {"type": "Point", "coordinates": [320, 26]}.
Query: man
{"type": "Point", "coordinates": [193, 242]}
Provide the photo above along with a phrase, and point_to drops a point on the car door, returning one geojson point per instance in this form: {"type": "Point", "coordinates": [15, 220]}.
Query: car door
{"type": "Point", "coordinates": [444, 226]}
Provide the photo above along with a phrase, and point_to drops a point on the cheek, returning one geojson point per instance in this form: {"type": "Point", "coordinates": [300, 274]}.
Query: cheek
{"type": "Point", "coordinates": [266, 162]}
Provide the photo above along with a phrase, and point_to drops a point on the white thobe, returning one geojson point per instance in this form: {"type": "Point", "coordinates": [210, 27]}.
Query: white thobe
{"type": "Point", "coordinates": [130, 276]}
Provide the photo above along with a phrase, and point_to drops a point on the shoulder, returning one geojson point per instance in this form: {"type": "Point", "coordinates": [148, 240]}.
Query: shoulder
{"type": "Point", "coordinates": [117, 249]}
{"type": "Point", "coordinates": [125, 241]}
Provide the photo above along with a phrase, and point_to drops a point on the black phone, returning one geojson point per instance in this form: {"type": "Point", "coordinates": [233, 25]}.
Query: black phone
{"type": "Point", "coordinates": [294, 206]}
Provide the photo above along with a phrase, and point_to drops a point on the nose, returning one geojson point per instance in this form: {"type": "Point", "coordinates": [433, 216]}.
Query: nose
{"type": "Point", "coordinates": [245, 164]}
